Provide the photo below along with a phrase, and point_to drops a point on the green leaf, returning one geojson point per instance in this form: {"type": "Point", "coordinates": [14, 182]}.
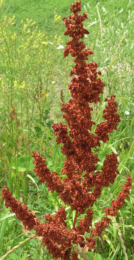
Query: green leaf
{"type": "Point", "coordinates": [98, 257]}
{"type": "Point", "coordinates": [94, 256]}
{"type": "Point", "coordinates": [3, 229]}
{"type": "Point", "coordinates": [126, 99]}
{"type": "Point", "coordinates": [8, 216]}
{"type": "Point", "coordinates": [108, 241]}
{"type": "Point", "coordinates": [90, 255]}
{"type": "Point", "coordinates": [23, 163]}
{"type": "Point", "coordinates": [32, 179]}
{"type": "Point", "coordinates": [115, 252]}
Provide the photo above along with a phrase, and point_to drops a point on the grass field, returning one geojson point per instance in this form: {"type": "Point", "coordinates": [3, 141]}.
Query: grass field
{"type": "Point", "coordinates": [33, 72]}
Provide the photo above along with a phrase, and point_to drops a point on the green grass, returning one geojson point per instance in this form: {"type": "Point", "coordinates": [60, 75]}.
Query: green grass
{"type": "Point", "coordinates": [32, 74]}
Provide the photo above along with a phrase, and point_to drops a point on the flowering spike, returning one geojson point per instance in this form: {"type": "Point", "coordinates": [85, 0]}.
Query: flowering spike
{"type": "Point", "coordinates": [80, 166]}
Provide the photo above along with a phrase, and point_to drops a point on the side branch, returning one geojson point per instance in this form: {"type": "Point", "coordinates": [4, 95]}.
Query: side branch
{"type": "Point", "coordinates": [112, 211]}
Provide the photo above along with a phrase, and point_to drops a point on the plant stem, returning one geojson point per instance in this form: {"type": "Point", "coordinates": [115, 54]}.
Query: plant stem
{"type": "Point", "coordinates": [76, 214]}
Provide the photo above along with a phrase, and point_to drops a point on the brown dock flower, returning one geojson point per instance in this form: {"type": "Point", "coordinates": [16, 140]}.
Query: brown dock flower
{"type": "Point", "coordinates": [83, 183]}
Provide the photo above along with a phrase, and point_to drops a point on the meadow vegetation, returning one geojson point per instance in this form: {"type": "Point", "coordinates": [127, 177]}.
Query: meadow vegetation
{"type": "Point", "coordinates": [34, 76]}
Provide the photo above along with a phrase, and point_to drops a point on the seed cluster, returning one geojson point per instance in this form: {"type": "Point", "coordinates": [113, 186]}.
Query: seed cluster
{"type": "Point", "coordinates": [78, 190]}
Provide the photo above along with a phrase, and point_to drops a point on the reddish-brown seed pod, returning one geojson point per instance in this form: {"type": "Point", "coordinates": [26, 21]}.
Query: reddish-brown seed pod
{"type": "Point", "coordinates": [83, 183]}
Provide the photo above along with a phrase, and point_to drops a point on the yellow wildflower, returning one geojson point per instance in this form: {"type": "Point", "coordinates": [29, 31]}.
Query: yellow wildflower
{"type": "Point", "coordinates": [44, 43]}
{"type": "Point", "coordinates": [22, 85]}
{"type": "Point", "coordinates": [15, 84]}
{"type": "Point", "coordinates": [56, 17]}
